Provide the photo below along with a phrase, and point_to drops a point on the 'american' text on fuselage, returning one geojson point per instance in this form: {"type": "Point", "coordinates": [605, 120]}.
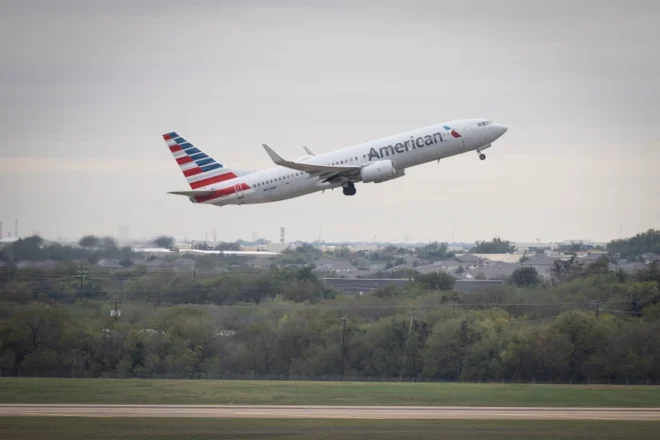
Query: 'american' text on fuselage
{"type": "Point", "coordinates": [405, 146]}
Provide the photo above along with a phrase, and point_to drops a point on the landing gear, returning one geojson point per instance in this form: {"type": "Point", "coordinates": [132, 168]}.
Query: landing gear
{"type": "Point", "coordinates": [482, 156]}
{"type": "Point", "coordinates": [349, 189]}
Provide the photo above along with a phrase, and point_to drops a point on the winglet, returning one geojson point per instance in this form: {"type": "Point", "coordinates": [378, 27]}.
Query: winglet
{"type": "Point", "coordinates": [273, 155]}
{"type": "Point", "coordinates": [308, 151]}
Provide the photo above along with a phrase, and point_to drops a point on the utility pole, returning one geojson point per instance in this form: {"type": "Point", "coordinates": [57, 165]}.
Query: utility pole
{"type": "Point", "coordinates": [413, 349]}
{"type": "Point", "coordinates": [343, 345]}
{"type": "Point", "coordinates": [122, 281]}
{"type": "Point", "coordinates": [82, 272]}
{"type": "Point", "coordinates": [597, 309]}
{"type": "Point", "coordinates": [405, 349]}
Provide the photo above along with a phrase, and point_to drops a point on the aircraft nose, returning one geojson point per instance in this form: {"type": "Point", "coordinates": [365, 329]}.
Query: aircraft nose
{"type": "Point", "coordinates": [498, 130]}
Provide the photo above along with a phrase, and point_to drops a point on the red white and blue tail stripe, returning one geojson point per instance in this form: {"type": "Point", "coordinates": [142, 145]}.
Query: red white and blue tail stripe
{"type": "Point", "coordinates": [199, 169]}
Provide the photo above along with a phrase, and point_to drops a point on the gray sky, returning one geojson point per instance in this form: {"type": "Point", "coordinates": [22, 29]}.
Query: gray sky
{"type": "Point", "coordinates": [87, 88]}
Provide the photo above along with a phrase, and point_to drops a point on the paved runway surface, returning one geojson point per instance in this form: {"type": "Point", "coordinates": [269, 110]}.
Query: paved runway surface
{"type": "Point", "coordinates": [331, 412]}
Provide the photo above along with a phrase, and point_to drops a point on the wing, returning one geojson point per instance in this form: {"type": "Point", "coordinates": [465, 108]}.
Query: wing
{"type": "Point", "coordinates": [191, 193]}
{"type": "Point", "coordinates": [308, 167]}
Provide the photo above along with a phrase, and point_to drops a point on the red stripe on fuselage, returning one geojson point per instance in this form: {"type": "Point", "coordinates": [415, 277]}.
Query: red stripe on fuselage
{"type": "Point", "coordinates": [221, 193]}
{"type": "Point", "coordinates": [192, 172]}
{"type": "Point", "coordinates": [184, 159]}
{"type": "Point", "coordinates": [212, 180]}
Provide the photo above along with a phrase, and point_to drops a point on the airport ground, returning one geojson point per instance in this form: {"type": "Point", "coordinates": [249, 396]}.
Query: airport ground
{"type": "Point", "coordinates": [93, 418]}
{"type": "Point", "coordinates": [69, 428]}
{"type": "Point", "coordinates": [243, 392]}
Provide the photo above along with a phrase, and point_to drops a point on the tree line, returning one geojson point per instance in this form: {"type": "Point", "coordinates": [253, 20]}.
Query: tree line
{"type": "Point", "coordinates": [285, 322]}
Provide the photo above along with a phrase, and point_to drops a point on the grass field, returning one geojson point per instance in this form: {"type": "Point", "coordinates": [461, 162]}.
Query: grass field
{"type": "Point", "coordinates": [109, 391]}
{"type": "Point", "coordinates": [67, 428]}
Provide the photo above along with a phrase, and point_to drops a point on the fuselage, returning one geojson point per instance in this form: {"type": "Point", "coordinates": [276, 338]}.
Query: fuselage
{"type": "Point", "coordinates": [405, 150]}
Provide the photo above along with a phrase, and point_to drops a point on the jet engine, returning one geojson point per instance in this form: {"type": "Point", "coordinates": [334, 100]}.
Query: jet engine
{"type": "Point", "coordinates": [380, 171]}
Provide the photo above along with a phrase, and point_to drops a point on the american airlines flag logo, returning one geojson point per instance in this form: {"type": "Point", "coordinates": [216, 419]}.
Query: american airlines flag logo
{"type": "Point", "coordinates": [199, 169]}
{"type": "Point", "coordinates": [451, 131]}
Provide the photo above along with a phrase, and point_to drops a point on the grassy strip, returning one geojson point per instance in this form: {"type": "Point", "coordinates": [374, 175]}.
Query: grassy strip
{"type": "Point", "coordinates": [66, 428]}
{"type": "Point", "coordinates": [138, 391]}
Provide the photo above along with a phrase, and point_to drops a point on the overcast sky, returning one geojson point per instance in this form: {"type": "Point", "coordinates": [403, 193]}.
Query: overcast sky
{"type": "Point", "coordinates": [88, 88]}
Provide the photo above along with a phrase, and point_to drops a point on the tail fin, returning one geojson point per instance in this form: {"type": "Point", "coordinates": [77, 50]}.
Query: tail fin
{"type": "Point", "coordinates": [200, 169]}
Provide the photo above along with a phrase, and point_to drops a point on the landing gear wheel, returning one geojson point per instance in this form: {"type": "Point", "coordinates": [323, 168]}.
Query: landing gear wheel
{"type": "Point", "coordinates": [349, 190]}
{"type": "Point", "coordinates": [482, 156]}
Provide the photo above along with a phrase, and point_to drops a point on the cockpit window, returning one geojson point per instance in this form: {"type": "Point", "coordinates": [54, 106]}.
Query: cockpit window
{"type": "Point", "coordinates": [484, 123]}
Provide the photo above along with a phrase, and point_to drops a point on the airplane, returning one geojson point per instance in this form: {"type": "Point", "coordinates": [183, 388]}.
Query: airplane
{"type": "Point", "coordinates": [212, 183]}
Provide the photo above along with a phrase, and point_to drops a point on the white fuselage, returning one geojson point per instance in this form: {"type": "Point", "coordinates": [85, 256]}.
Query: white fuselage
{"type": "Point", "coordinates": [405, 150]}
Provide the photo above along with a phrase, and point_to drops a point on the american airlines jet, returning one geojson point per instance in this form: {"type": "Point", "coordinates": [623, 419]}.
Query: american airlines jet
{"type": "Point", "coordinates": [376, 161]}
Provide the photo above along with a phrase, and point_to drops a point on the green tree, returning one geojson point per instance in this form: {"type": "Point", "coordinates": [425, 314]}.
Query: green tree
{"type": "Point", "coordinates": [164, 241]}
{"type": "Point", "coordinates": [495, 246]}
{"type": "Point", "coordinates": [634, 247]}
{"type": "Point", "coordinates": [435, 251]}
{"type": "Point", "coordinates": [435, 281]}
{"type": "Point", "coordinates": [223, 246]}
{"type": "Point", "coordinates": [525, 276]}
{"type": "Point", "coordinates": [90, 241]}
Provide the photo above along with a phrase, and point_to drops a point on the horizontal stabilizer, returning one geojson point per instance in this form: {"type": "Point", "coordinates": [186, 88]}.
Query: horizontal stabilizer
{"type": "Point", "coordinates": [307, 167]}
{"type": "Point", "coordinates": [191, 193]}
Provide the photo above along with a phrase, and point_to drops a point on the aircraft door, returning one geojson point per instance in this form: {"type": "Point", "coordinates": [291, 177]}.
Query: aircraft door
{"type": "Point", "coordinates": [238, 188]}
{"type": "Point", "coordinates": [467, 136]}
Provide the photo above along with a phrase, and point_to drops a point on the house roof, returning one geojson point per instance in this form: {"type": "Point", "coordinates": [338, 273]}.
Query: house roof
{"type": "Point", "coordinates": [259, 262]}
{"type": "Point", "coordinates": [632, 267]}
{"type": "Point", "coordinates": [108, 263]}
{"type": "Point", "coordinates": [400, 267]}
{"type": "Point", "coordinates": [377, 267]}
{"type": "Point", "coordinates": [469, 258]}
{"type": "Point", "coordinates": [541, 260]}
{"type": "Point", "coordinates": [361, 261]}
{"type": "Point", "coordinates": [591, 257]}
{"type": "Point", "coordinates": [46, 264]}
{"type": "Point", "coordinates": [505, 258]}
{"type": "Point", "coordinates": [497, 270]}
{"type": "Point", "coordinates": [335, 264]}
{"type": "Point", "coordinates": [156, 263]}
{"type": "Point", "coordinates": [184, 262]}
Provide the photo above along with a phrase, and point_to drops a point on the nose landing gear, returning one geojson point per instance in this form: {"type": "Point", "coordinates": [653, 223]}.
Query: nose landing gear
{"type": "Point", "coordinates": [349, 189]}
{"type": "Point", "coordinates": [482, 156]}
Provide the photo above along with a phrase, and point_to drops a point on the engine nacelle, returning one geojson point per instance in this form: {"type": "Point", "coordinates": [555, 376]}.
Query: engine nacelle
{"type": "Point", "coordinates": [380, 171]}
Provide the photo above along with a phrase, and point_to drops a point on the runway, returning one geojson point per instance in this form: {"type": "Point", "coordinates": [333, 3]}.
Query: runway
{"type": "Point", "coordinates": [330, 412]}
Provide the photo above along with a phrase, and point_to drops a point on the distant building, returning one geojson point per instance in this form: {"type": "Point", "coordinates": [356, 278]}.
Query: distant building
{"type": "Point", "coordinates": [497, 270]}
{"type": "Point", "coordinates": [326, 265]}
{"type": "Point", "coordinates": [542, 263]}
{"type": "Point", "coordinates": [155, 265]}
{"type": "Point", "coordinates": [504, 258]}
{"type": "Point", "coordinates": [449, 266]}
{"type": "Point", "coordinates": [107, 263]}
{"type": "Point", "coordinates": [631, 267]}
{"type": "Point", "coordinates": [470, 261]}
{"type": "Point", "coordinates": [183, 264]}
{"type": "Point", "coordinates": [259, 263]}
{"type": "Point", "coordinates": [44, 265]}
